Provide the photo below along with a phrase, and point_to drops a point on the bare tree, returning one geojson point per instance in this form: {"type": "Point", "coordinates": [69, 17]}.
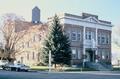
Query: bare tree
{"type": "Point", "coordinates": [116, 35]}
{"type": "Point", "coordinates": [11, 37]}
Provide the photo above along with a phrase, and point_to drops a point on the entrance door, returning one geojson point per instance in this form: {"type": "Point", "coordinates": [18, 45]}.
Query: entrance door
{"type": "Point", "coordinates": [90, 55]}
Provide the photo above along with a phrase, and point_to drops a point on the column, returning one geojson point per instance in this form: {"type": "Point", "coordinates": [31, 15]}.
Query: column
{"type": "Point", "coordinates": [84, 46]}
{"type": "Point", "coordinates": [96, 51]}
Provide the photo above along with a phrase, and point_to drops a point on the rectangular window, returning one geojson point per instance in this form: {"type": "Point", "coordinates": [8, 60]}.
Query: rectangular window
{"type": "Point", "coordinates": [103, 40]}
{"type": "Point", "coordinates": [38, 56]}
{"type": "Point", "coordinates": [33, 56]}
{"type": "Point", "coordinates": [99, 40]}
{"type": "Point", "coordinates": [28, 44]}
{"type": "Point", "coordinates": [78, 36]}
{"type": "Point", "coordinates": [88, 35]}
{"type": "Point", "coordinates": [79, 55]}
{"type": "Point", "coordinates": [107, 39]}
{"type": "Point", "coordinates": [28, 56]}
{"type": "Point", "coordinates": [103, 54]}
{"type": "Point", "coordinates": [74, 36]}
{"type": "Point", "coordinates": [106, 54]}
{"type": "Point", "coordinates": [34, 38]}
{"type": "Point", "coordinates": [100, 53]}
{"type": "Point", "coordinates": [73, 53]}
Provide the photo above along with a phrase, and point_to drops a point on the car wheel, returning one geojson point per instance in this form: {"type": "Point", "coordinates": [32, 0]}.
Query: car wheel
{"type": "Point", "coordinates": [17, 69]}
{"type": "Point", "coordinates": [3, 68]}
{"type": "Point", "coordinates": [26, 70]}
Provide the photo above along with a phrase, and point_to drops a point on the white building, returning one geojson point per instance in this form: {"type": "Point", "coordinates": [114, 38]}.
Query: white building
{"type": "Point", "coordinates": [90, 38]}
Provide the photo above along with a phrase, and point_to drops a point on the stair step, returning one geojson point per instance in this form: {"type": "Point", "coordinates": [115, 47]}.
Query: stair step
{"type": "Point", "coordinates": [97, 66]}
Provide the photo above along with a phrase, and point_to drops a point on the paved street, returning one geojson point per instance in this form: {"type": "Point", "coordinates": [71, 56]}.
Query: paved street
{"type": "Point", "coordinates": [53, 75]}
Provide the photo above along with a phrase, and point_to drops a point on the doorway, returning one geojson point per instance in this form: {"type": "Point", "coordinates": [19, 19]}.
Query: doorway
{"type": "Point", "coordinates": [90, 55]}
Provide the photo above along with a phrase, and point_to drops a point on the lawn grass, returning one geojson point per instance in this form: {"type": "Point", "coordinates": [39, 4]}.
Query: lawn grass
{"type": "Point", "coordinates": [46, 68]}
{"type": "Point", "coordinates": [40, 68]}
{"type": "Point", "coordinates": [116, 69]}
{"type": "Point", "coordinates": [80, 69]}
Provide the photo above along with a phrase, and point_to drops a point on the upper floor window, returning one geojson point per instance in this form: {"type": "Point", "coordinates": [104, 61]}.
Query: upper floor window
{"type": "Point", "coordinates": [103, 39]}
{"type": "Point", "coordinates": [78, 36]}
{"type": "Point", "coordinates": [107, 39]}
{"type": "Point", "coordinates": [28, 44]}
{"type": "Point", "coordinates": [99, 39]}
{"type": "Point", "coordinates": [74, 36]}
{"type": "Point", "coordinates": [39, 37]}
{"type": "Point", "coordinates": [34, 38]}
{"type": "Point", "coordinates": [28, 56]}
{"type": "Point", "coordinates": [33, 56]}
{"type": "Point", "coordinates": [38, 56]}
{"type": "Point", "coordinates": [88, 35]}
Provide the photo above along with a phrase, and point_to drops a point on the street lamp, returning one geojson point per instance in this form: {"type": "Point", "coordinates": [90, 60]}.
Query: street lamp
{"type": "Point", "coordinates": [49, 61]}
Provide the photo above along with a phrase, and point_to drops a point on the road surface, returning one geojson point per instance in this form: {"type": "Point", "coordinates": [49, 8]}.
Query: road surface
{"type": "Point", "coordinates": [59, 75]}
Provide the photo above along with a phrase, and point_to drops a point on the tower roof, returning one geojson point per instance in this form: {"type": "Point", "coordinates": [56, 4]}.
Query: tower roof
{"type": "Point", "coordinates": [36, 7]}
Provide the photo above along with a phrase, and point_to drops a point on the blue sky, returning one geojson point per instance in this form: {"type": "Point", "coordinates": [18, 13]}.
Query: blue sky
{"type": "Point", "coordinates": [106, 9]}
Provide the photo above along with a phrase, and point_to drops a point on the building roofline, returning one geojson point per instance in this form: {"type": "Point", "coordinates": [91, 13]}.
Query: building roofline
{"type": "Point", "coordinates": [68, 15]}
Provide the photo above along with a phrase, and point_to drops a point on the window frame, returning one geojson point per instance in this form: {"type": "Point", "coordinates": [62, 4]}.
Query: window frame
{"type": "Point", "coordinates": [75, 39]}
{"type": "Point", "coordinates": [74, 55]}
{"type": "Point", "coordinates": [79, 38]}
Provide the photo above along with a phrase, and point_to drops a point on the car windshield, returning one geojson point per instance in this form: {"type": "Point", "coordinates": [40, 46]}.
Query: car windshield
{"type": "Point", "coordinates": [21, 64]}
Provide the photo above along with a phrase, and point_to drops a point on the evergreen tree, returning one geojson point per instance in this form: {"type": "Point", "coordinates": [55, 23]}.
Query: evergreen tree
{"type": "Point", "coordinates": [58, 44]}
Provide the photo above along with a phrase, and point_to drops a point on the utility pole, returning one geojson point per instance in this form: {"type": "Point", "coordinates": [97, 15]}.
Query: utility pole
{"type": "Point", "coordinates": [49, 61]}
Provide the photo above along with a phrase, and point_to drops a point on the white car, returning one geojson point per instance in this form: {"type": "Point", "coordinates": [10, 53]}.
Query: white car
{"type": "Point", "coordinates": [16, 67]}
{"type": "Point", "coordinates": [3, 62]}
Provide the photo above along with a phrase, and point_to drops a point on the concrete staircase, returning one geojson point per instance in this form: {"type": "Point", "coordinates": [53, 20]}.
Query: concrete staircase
{"type": "Point", "coordinates": [98, 66]}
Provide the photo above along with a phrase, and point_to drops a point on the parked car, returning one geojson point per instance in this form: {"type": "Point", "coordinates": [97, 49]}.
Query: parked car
{"type": "Point", "coordinates": [3, 62]}
{"type": "Point", "coordinates": [16, 67]}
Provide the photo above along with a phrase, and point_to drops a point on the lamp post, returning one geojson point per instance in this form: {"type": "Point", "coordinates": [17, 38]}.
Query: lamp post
{"type": "Point", "coordinates": [49, 61]}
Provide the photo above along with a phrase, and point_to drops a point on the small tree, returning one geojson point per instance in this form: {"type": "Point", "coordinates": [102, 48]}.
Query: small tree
{"type": "Point", "coordinates": [58, 44]}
